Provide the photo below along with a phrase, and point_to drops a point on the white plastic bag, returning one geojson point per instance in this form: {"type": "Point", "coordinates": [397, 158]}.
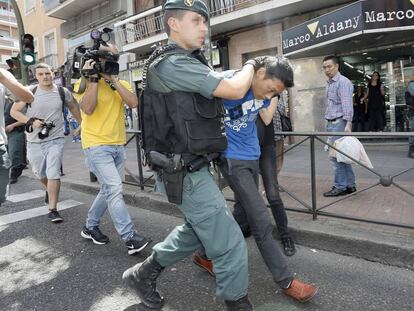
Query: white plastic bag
{"type": "Point", "coordinates": [352, 147]}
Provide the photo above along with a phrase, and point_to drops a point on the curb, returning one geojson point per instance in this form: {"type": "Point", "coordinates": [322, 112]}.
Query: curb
{"type": "Point", "coordinates": [328, 235]}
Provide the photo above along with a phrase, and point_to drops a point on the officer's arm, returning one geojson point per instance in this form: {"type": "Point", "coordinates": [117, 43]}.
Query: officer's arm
{"type": "Point", "coordinates": [10, 82]}
{"type": "Point", "coordinates": [237, 86]}
{"type": "Point", "coordinates": [16, 112]}
{"type": "Point", "coordinates": [267, 113]}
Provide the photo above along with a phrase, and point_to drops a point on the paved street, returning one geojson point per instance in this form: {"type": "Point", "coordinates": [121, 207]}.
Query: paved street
{"type": "Point", "coordinates": [49, 267]}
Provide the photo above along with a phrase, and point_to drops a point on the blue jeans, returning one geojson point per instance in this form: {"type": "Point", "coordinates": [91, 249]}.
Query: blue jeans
{"type": "Point", "coordinates": [107, 163]}
{"type": "Point", "coordinates": [4, 173]}
{"type": "Point", "coordinates": [344, 175]}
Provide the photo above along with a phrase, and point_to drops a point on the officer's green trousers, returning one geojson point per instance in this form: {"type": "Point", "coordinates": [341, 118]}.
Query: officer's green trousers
{"type": "Point", "coordinates": [209, 223]}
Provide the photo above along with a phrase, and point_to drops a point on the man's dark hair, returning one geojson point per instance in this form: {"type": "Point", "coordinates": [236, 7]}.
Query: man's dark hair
{"type": "Point", "coordinates": [332, 58]}
{"type": "Point", "coordinates": [279, 68]}
{"type": "Point", "coordinates": [178, 14]}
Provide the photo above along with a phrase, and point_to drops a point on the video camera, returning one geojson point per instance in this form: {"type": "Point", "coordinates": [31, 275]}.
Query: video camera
{"type": "Point", "coordinates": [106, 62]}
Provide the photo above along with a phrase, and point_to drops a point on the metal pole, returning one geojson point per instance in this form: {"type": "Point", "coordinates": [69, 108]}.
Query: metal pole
{"type": "Point", "coordinates": [140, 171]}
{"type": "Point", "coordinates": [313, 177]}
{"type": "Point", "coordinates": [23, 67]}
{"type": "Point", "coordinates": [207, 52]}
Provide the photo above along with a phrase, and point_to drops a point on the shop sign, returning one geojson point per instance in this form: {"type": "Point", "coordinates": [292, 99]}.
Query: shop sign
{"type": "Point", "coordinates": [136, 68]}
{"type": "Point", "coordinates": [352, 20]}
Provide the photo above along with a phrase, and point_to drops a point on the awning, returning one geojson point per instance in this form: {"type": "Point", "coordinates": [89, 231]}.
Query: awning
{"type": "Point", "coordinates": [371, 17]}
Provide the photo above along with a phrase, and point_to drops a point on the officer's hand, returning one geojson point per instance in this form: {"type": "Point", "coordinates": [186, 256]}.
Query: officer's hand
{"type": "Point", "coordinates": [89, 66]}
{"type": "Point", "coordinates": [256, 62]}
{"type": "Point", "coordinates": [37, 124]}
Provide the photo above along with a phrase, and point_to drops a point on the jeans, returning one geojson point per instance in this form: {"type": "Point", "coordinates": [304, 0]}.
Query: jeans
{"type": "Point", "coordinates": [209, 225]}
{"type": "Point", "coordinates": [107, 163]}
{"type": "Point", "coordinates": [4, 173]}
{"type": "Point", "coordinates": [250, 211]}
{"type": "Point", "coordinates": [267, 164]}
{"type": "Point", "coordinates": [344, 175]}
{"type": "Point", "coordinates": [411, 139]}
{"type": "Point", "coordinates": [16, 147]}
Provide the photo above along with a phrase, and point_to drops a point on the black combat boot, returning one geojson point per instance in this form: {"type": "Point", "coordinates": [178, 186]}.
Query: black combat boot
{"type": "Point", "coordinates": [142, 279]}
{"type": "Point", "coordinates": [243, 304]}
{"type": "Point", "coordinates": [411, 151]}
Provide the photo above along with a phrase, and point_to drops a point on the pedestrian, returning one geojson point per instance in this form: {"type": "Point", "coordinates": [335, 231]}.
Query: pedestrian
{"type": "Point", "coordinates": [45, 132]}
{"type": "Point", "coordinates": [269, 171]}
{"type": "Point", "coordinates": [376, 103]}
{"type": "Point", "coordinates": [360, 110]}
{"type": "Point", "coordinates": [103, 138]}
{"type": "Point", "coordinates": [281, 111]}
{"type": "Point", "coordinates": [75, 129]}
{"type": "Point", "coordinates": [338, 115]}
{"type": "Point", "coordinates": [16, 142]}
{"type": "Point", "coordinates": [8, 81]}
{"type": "Point", "coordinates": [182, 126]}
{"type": "Point", "coordinates": [409, 101]}
{"type": "Point", "coordinates": [240, 168]}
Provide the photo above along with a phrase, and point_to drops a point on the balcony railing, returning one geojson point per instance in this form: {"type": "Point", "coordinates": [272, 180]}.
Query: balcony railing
{"type": "Point", "coordinates": [7, 16]}
{"type": "Point", "coordinates": [152, 25]}
{"type": "Point", "coordinates": [51, 60]}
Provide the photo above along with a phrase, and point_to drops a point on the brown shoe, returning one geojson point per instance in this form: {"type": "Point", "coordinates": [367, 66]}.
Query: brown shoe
{"type": "Point", "coordinates": [301, 291]}
{"type": "Point", "coordinates": [203, 263]}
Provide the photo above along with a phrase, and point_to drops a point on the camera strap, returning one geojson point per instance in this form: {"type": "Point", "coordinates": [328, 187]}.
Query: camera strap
{"type": "Point", "coordinates": [29, 124]}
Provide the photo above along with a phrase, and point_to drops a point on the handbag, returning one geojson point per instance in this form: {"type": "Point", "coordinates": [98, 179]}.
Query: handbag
{"type": "Point", "coordinates": [285, 121]}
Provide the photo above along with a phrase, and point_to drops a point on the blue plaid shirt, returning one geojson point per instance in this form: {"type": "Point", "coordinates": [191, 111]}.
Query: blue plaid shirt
{"type": "Point", "coordinates": [339, 91]}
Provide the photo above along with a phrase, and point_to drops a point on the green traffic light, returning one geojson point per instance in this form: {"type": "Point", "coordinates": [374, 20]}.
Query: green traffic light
{"type": "Point", "coordinates": [28, 58]}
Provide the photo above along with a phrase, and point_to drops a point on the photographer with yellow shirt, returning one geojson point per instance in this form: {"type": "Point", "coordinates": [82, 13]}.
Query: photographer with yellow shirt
{"type": "Point", "coordinates": [103, 138]}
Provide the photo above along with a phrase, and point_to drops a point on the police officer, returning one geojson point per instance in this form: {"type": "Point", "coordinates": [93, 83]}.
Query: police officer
{"type": "Point", "coordinates": [181, 121]}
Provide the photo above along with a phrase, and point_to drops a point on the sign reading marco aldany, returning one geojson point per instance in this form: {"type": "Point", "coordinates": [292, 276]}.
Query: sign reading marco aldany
{"type": "Point", "coordinates": [352, 20]}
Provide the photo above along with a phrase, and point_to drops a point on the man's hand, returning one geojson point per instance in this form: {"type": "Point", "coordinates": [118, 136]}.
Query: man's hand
{"type": "Point", "coordinates": [256, 62]}
{"type": "Point", "coordinates": [9, 128]}
{"type": "Point", "coordinates": [348, 127]}
{"type": "Point", "coordinates": [89, 64]}
{"type": "Point", "coordinates": [37, 124]}
{"type": "Point", "coordinates": [112, 78]}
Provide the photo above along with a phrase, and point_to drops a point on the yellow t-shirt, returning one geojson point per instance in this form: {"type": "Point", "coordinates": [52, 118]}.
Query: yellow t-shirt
{"type": "Point", "coordinates": [106, 125]}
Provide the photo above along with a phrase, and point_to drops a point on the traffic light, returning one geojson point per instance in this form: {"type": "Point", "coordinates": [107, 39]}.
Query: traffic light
{"type": "Point", "coordinates": [29, 57]}
{"type": "Point", "coordinates": [14, 67]}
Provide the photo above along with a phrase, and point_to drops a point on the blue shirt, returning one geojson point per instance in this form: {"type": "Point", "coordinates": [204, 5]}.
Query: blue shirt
{"type": "Point", "coordinates": [240, 121]}
{"type": "Point", "coordinates": [339, 94]}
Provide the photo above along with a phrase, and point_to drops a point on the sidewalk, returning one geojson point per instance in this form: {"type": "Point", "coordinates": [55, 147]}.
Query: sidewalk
{"type": "Point", "coordinates": [386, 244]}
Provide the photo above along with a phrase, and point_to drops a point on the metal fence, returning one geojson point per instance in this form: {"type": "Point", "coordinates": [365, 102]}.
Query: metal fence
{"type": "Point", "coordinates": [313, 207]}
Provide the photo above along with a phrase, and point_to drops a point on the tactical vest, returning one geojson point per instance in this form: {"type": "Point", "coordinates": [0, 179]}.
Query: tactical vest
{"type": "Point", "coordinates": [180, 122]}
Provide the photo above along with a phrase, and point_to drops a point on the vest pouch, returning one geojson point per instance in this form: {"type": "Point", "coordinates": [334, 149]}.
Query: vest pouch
{"type": "Point", "coordinates": [206, 133]}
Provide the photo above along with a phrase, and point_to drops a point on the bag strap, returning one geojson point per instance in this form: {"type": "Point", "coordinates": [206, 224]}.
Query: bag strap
{"type": "Point", "coordinates": [61, 91]}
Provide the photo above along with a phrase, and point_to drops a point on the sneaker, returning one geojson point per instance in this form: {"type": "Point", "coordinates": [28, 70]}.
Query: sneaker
{"type": "Point", "coordinates": [300, 291]}
{"type": "Point", "coordinates": [54, 216]}
{"type": "Point", "coordinates": [47, 198]}
{"type": "Point", "coordinates": [203, 263]}
{"type": "Point", "coordinates": [95, 235]}
{"type": "Point", "coordinates": [137, 243]}
{"type": "Point", "coordinates": [288, 246]}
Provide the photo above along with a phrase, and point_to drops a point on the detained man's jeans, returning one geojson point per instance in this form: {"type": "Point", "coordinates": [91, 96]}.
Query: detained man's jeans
{"type": "Point", "coordinates": [411, 138]}
{"type": "Point", "coordinates": [107, 163]}
{"type": "Point", "coordinates": [344, 175]}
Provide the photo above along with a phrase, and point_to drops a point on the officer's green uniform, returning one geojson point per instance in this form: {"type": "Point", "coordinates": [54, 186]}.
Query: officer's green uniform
{"type": "Point", "coordinates": [209, 222]}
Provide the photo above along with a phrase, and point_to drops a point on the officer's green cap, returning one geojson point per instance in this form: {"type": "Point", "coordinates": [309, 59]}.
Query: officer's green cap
{"type": "Point", "coordinates": [197, 6]}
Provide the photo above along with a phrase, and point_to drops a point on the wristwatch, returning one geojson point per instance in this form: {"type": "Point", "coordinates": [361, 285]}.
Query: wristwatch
{"type": "Point", "coordinates": [93, 79]}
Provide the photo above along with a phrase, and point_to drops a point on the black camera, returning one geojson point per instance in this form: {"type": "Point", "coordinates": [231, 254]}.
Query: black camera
{"type": "Point", "coordinates": [44, 131]}
{"type": "Point", "coordinates": [106, 62]}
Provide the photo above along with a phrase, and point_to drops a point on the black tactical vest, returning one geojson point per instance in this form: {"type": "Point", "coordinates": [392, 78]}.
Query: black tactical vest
{"type": "Point", "coordinates": [180, 122]}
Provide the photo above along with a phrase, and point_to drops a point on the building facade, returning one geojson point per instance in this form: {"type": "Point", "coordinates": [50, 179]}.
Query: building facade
{"type": "Point", "coordinates": [48, 41]}
{"type": "Point", "coordinates": [241, 29]}
{"type": "Point", "coordinates": [9, 36]}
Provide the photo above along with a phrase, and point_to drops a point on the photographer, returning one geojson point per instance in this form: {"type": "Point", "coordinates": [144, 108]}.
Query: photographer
{"type": "Point", "coordinates": [103, 139]}
{"type": "Point", "coordinates": [44, 132]}
{"type": "Point", "coordinates": [7, 81]}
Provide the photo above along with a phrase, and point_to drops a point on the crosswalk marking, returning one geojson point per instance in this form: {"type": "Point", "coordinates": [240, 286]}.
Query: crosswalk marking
{"type": "Point", "coordinates": [26, 196]}
{"type": "Point", "coordinates": [35, 212]}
